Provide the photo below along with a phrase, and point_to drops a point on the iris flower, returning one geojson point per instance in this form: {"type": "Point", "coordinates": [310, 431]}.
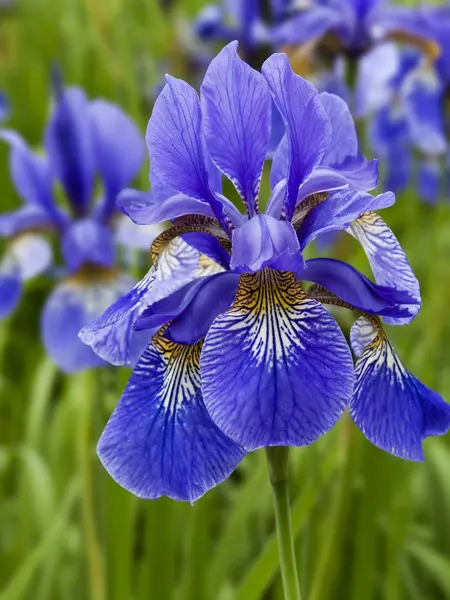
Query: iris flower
{"type": "Point", "coordinates": [83, 140]}
{"type": "Point", "coordinates": [248, 356]}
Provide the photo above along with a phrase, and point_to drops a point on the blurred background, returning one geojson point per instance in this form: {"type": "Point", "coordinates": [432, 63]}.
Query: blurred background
{"type": "Point", "coordinates": [368, 526]}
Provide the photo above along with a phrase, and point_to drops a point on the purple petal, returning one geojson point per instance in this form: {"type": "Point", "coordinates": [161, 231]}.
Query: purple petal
{"type": "Point", "coordinates": [209, 246]}
{"type": "Point", "coordinates": [24, 219]}
{"type": "Point", "coordinates": [160, 440]}
{"type": "Point", "coordinates": [344, 141]}
{"type": "Point", "coordinates": [308, 129]}
{"type": "Point", "coordinates": [71, 306]}
{"type": "Point", "coordinates": [88, 241]}
{"type": "Point", "coordinates": [145, 208]}
{"type": "Point", "coordinates": [135, 237]}
{"type": "Point", "coordinates": [236, 107]}
{"type": "Point", "coordinates": [354, 288]}
{"type": "Point", "coordinates": [387, 259]}
{"type": "Point", "coordinates": [339, 211]}
{"type": "Point", "coordinates": [10, 288]}
{"type": "Point", "coordinates": [68, 142]}
{"type": "Point", "coordinates": [213, 298]}
{"type": "Point", "coordinates": [429, 181]}
{"type": "Point", "coordinates": [119, 149]}
{"type": "Point", "coordinates": [112, 335]}
{"type": "Point", "coordinates": [31, 253]}
{"type": "Point", "coordinates": [264, 241]}
{"type": "Point", "coordinates": [309, 24]}
{"type": "Point", "coordinates": [393, 409]}
{"type": "Point", "coordinates": [276, 369]}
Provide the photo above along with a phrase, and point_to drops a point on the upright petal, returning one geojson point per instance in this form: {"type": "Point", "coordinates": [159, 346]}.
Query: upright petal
{"type": "Point", "coordinates": [236, 107]}
{"type": "Point", "coordinates": [265, 242]}
{"type": "Point", "coordinates": [308, 129]}
{"type": "Point", "coordinates": [119, 149]}
{"type": "Point", "coordinates": [160, 440]}
{"type": "Point", "coordinates": [68, 141]}
{"type": "Point", "coordinates": [338, 211]}
{"type": "Point", "coordinates": [393, 409]}
{"type": "Point", "coordinates": [387, 258]}
{"type": "Point", "coordinates": [276, 369]}
{"type": "Point", "coordinates": [344, 141]}
{"type": "Point", "coordinates": [355, 289]}
{"type": "Point", "coordinates": [71, 306]}
{"type": "Point", "coordinates": [88, 241]}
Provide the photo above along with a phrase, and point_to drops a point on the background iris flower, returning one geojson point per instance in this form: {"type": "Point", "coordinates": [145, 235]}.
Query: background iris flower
{"type": "Point", "coordinates": [83, 140]}
{"type": "Point", "coordinates": [245, 358]}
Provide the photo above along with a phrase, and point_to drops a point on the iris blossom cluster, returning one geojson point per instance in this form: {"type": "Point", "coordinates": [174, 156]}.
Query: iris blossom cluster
{"type": "Point", "coordinates": [83, 140]}
{"type": "Point", "coordinates": [245, 355]}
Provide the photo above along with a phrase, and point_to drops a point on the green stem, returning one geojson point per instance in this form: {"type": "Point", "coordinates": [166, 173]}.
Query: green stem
{"type": "Point", "coordinates": [277, 458]}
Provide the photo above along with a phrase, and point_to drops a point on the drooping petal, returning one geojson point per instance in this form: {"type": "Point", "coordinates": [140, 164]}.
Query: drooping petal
{"type": "Point", "coordinates": [393, 409]}
{"type": "Point", "coordinates": [429, 181]}
{"type": "Point", "coordinates": [145, 208]}
{"type": "Point", "coordinates": [26, 218]}
{"type": "Point", "coordinates": [338, 211]}
{"type": "Point", "coordinates": [160, 440]}
{"type": "Point", "coordinates": [236, 108]}
{"type": "Point", "coordinates": [88, 241]}
{"type": "Point", "coordinates": [344, 141]}
{"type": "Point", "coordinates": [354, 288]}
{"type": "Point", "coordinates": [387, 259]}
{"type": "Point", "coordinates": [10, 287]}
{"type": "Point", "coordinates": [112, 335]}
{"type": "Point", "coordinates": [68, 142]}
{"type": "Point", "coordinates": [71, 306]}
{"type": "Point", "coordinates": [119, 149]}
{"type": "Point", "coordinates": [213, 298]}
{"type": "Point", "coordinates": [276, 369]}
{"type": "Point", "coordinates": [264, 241]}
{"type": "Point", "coordinates": [308, 129]}
{"type": "Point", "coordinates": [423, 95]}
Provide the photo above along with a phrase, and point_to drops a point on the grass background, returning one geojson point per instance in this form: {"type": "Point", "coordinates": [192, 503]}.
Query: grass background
{"type": "Point", "coordinates": [368, 526]}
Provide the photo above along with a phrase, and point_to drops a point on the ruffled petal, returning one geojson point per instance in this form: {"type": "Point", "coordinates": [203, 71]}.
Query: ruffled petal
{"type": "Point", "coordinates": [354, 288]}
{"type": "Point", "coordinates": [276, 369]}
{"type": "Point", "coordinates": [344, 141]}
{"type": "Point", "coordinates": [236, 108]}
{"type": "Point", "coordinates": [160, 440]}
{"type": "Point", "coordinates": [68, 142]}
{"type": "Point", "coordinates": [264, 241]}
{"type": "Point", "coordinates": [71, 306]}
{"type": "Point", "coordinates": [145, 208]}
{"type": "Point", "coordinates": [119, 149]}
{"type": "Point", "coordinates": [88, 241]}
{"type": "Point", "coordinates": [338, 211]}
{"type": "Point", "coordinates": [389, 264]}
{"type": "Point", "coordinates": [308, 129]}
{"type": "Point", "coordinates": [393, 409]}
{"type": "Point", "coordinates": [112, 335]}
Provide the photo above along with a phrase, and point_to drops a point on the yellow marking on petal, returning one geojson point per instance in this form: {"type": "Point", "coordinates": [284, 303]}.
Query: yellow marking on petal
{"type": "Point", "coordinates": [429, 48]}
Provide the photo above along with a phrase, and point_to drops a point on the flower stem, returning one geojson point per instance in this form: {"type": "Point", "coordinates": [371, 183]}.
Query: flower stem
{"type": "Point", "coordinates": [277, 458]}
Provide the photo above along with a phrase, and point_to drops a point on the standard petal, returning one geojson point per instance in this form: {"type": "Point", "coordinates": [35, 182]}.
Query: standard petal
{"type": "Point", "coordinates": [338, 211]}
{"type": "Point", "coordinates": [393, 409]}
{"type": "Point", "coordinates": [276, 369]}
{"type": "Point", "coordinates": [354, 288]}
{"type": "Point", "coordinates": [264, 241]}
{"type": "Point", "coordinates": [71, 306]}
{"type": "Point", "coordinates": [145, 208]}
{"type": "Point", "coordinates": [174, 140]}
{"type": "Point", "coordinates": [68, 142]}
{"type": "Point", "coordinates": [88, 241]}
{"type": "Point", "coordinates": [344, 141]}
{"type": "Point", "coordinates": [119, 149]}
{"type": "Point", "coordinates": [387, 259]}
{"type": "Point", "coordinates": [112, 335]}
{"type": "Point", "coordinates": [160, 440]}
{"type": "Point", "coordinates": [308, 129]}
{"type": "Point", "coordinates": [236, 106]}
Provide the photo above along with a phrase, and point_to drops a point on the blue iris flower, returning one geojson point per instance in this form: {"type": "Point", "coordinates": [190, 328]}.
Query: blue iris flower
{"type": "Point", "coordinates": [83, 140]}
{"type": "Point", "coordinates": [240, 356]}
